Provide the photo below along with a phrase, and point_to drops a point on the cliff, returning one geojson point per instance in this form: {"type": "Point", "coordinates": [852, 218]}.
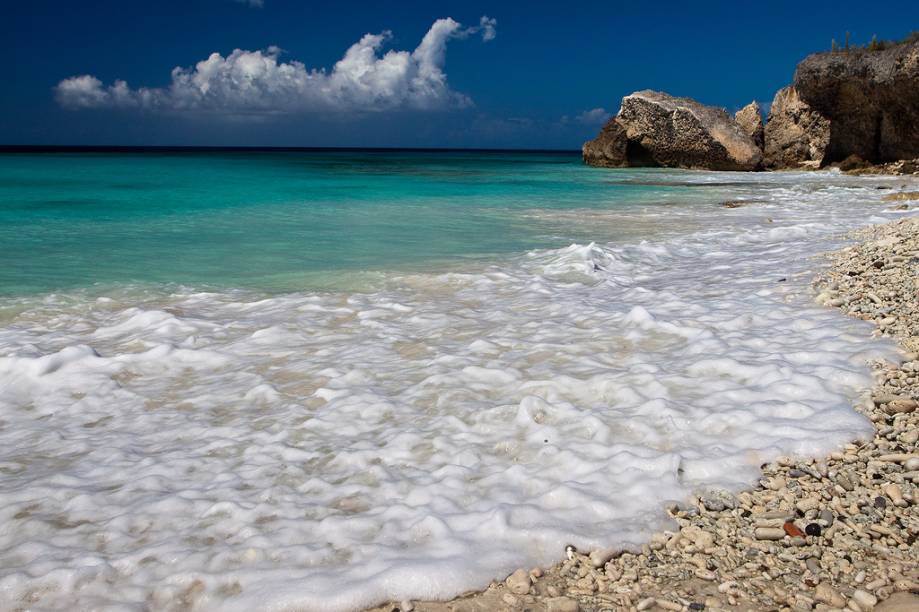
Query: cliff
{"type": "Point", "coordinates": [869, 97]}
{"type": "Point", "coordinates": [852, 108]}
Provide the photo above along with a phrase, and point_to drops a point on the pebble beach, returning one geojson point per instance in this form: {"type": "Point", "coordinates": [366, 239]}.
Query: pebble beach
{"type": "Point", "coordinates": [830, 533]}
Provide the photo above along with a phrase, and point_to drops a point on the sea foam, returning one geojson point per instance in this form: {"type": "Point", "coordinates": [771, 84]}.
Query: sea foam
{"type": "Point", "coordinates": [233, 450]}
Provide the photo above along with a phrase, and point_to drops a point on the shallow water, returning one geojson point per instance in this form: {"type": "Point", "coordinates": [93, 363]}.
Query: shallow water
{"type": "Point", "coordinates": [281, 221]}
{"type": "Point", "coordinates": [240, 428]}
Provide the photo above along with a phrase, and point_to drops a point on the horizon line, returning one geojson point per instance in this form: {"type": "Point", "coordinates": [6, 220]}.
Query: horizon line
{"type": "Point", "coordinates": [29, 148]}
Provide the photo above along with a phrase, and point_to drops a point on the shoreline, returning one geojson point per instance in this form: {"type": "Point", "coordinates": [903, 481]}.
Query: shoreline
{"type": "Point", "coordinates": [686, 348]}
{"type": "Point", "coordinates": [831, 533]}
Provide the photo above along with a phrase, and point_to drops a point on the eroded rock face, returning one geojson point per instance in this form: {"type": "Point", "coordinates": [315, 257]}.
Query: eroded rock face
{"type": "Point", "coordinates": [657, 129]}
{"type": "Point", "coordinates": [871, 99]}
{"type": "Point", "coordinates": [608, 149]}
{"type": "Point", "coordinates": [750, 119]}
{"type": "Point", "coordinates": [796, 135]}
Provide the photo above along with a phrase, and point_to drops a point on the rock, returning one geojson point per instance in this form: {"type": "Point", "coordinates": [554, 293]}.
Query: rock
{"type": "Point", "coordinates": [406, 606]}
{"type": "Point", "coordinates": [776, 483]}
{"type": "Point", "coordinates": [646, 603]}
{"type": "Point", "coordinates": [561, 604]}
{"type": "Point", "coordinates": [518, 582]}
{"type": "Point", "coordinates": [813, 565]}
{"type": "Point", "coordinates": [608, 149]}
{"type": "Point", "coordinates": [853, 162]}
{"type": "Point", "coordinates": [657, 129]}
{"type": "Point", "coordinates": [750, 119]}
{"type": "Point", "coordinates": [845, 482]}
{"type": "Point", "coordinates": [768, 533]}
{"type": "Point", "coordinates": [599, 557]}
{"type": "Point", "coordinates": [899, 602]}
{"type": "Point", "coordinates": [795, 136]}
{"type": "Point", "coordinates": [870, 97]}
{"type": "Point", "coordinates": [828, 595]}
{"type": "Point", "coordinates": [704, 574]}
{"type": "Point", "coordinates": [812, 529]}
{"type": "Point", "coordinates": [896, 457]}
{"type": "Point", "coordinates": [792, 530]}
{"type": "Point", "coordinates": [893, 491]}
{"type": "Point", "coordinates": [718, 500]}
{"type": "Point", "coordinates": [864, 599]}
{"type": "Point", "coordinates": [902, 406]}
{"type": "Point", "coordinates": [808, 503]}
{"type": "Point", "coordinates": [700, 538]}
{"type": "Point", "coordinates": [901, 166]}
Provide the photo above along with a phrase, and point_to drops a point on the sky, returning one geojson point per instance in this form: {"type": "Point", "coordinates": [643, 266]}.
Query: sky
{"type": "Point", "coordinates": [411, 73]}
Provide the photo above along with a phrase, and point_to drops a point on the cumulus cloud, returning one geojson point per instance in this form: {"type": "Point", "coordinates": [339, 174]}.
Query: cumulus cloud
{"type": "Point", "coordinates": [257, 82]}
{"type": "Point", "coordinates": [487, 26]}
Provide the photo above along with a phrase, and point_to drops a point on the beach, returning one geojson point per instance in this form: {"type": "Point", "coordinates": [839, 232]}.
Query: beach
{"type": "Point", "coordinates": [832, 532]}
{"type": "Point", "coordinates": [292, 422]}
{"type": "Point", "coordinates": [436, 307]}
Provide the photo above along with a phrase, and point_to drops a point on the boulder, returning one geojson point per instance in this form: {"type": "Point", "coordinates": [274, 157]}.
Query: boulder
{"type": "Point", "coordinates": [750, 119]}
{"type": "Point", "coordinates": [870, 97]}
{"type": "Point", "coordinates": [608, 149]}
{"type": "Point", "coordinates": [796, 135]}
{"type": "Point", "coordinates": [657, 129]}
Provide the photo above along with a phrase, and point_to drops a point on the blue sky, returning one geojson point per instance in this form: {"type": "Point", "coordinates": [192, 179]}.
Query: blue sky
{"type": "Point", "coordinates": [531, 75]}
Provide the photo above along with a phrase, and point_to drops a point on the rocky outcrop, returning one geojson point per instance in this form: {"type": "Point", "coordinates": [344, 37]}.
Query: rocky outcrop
{"type": "Point", "coordinates": [657, 129]}
{"type": "Point", "coordinates": [796, 135]}
{"type": "Point", "coordinates": [858, 109]}
{"type": "Point", "coordinates": [750, 119]}
{"type": "Point", "coordinates": [869, 97]}
{"type": "Point", "coordinates": [608, 149]}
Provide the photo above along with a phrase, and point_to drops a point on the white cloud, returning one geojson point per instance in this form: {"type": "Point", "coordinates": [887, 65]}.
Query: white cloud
{"type": "Point", "coordinates": [256, 82]}
{"type": "Point", "coordinates": [594, 116]}
{"type": "Point", "coordinates": [487, 25]}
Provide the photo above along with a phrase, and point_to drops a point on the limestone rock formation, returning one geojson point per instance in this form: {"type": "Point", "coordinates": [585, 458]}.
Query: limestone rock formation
{"type": "Point", "coordinates": [608, 149]}
{"type": "Point", "coordinates": [796, 135]}
{"type": "Point", "coordinates": [857, 108]}
{"type": "Point", "coordinates": [870, 97]}
{"type": "Point", "coordinates": [750, 119]}
{"type": "Point", "coordinates": [657, 129]}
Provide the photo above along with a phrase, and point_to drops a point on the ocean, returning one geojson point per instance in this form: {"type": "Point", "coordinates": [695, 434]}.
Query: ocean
{"type": "Point", "coordinates": [326, 379]}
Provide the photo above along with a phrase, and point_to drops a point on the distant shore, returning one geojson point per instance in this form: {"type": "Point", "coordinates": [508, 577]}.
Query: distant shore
{"type": "Point", "coordinates": [830, 533]}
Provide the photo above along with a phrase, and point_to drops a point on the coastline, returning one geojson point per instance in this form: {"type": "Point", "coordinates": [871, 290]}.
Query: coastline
{"type": "Point", "coordinates": [690, 281]}
{"type": "Point", "coordinates": [837, 532]}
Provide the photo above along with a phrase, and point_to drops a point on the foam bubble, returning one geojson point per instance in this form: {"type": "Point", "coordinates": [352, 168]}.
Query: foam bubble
{"type": "Point", "coordinates": [330, 451]}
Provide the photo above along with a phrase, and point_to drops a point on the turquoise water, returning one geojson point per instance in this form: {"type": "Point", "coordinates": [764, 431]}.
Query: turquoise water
{"type": "Point", "coordinates": [284, 220]}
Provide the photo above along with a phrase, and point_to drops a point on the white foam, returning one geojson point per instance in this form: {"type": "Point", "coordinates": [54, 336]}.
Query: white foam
{"type": "Point", "coordinates": [330, 451]}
